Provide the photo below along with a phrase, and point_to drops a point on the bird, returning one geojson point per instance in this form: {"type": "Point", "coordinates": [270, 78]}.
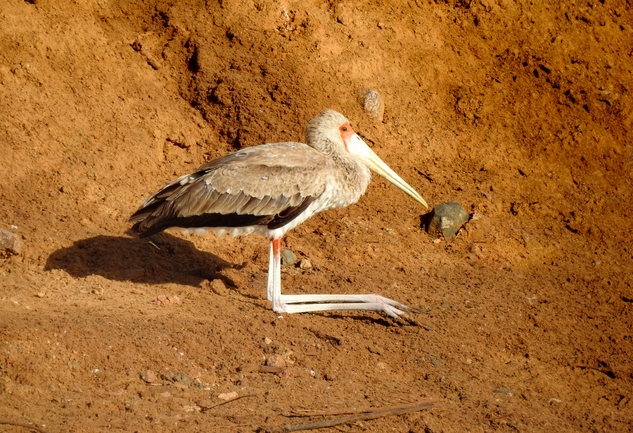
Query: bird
{"type": "Point", "coordinates": [268, 190]}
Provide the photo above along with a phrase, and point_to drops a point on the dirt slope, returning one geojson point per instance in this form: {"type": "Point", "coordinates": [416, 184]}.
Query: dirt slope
{"type": "Point", "coordinates": [521, 112]}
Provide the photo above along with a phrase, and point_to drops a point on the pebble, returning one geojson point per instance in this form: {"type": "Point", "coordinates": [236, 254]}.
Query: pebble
{"type": "Point", "coordinates": [149, 376]}
{"type": "Point", "coordinates": [227, 395]}
{"type": "Point", "coordinates": [182, 377]}
{"type": "Point", "coordinates": [166, 300]}
{"type": "Point", "coordinates": [10, 241]}
{"type": "Point", "coordinates": [168, 375]}
{"type": "Point", "coordinates": [286, 373]}
{"type": "Point", "coordinates": [219, 287]}
{"type": "Point", "coordinates": [276, 361]}
{"type": "Point", "coordinates": [446, 219]}
{"type": "Point", "coordinates": [305, 264]}
{"type": "Point", "coordinates": [288, 257]}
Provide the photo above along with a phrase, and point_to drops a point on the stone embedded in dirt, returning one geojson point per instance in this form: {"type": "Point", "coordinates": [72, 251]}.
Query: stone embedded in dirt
{"type": "Point", "coordinates": [165, 300]}
{"type": "Point", "coordinates": [505, 391]}
{"type": "Point", "coordinates": [10, 242]}
{"type": "Point", "coordinates": [227, 395]}
{"type": "Point", "coordinates": [373, 104]}
{"type": "Point", "coordinates": [169, 375]}
{"type": "Point", "coordinates": [191, 408]}
{"type": "Point", "coordinates": [149, 376]}
{"type": "Point", "coordinates": [288, 257]}
{"type": "Point", "coordinates": [305, 264]}
{"type": "Point", "coordinates": [286, 373]}
{"type": "Point", "coordinates": [218, 287]}
{"type": "Point", "coordinates": [276, 361]}
{"type": "Point", "coordinates": [182, 377]}
{"type": "Point", "coordinates": [446, 219]}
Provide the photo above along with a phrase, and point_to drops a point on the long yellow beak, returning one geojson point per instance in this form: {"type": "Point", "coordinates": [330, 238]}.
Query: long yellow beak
{"type": "Point", "coordinates": [356, 146]}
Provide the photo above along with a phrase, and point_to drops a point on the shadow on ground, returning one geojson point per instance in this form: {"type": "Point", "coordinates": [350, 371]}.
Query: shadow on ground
{"type": "Point", "coordinates": [161, 259]}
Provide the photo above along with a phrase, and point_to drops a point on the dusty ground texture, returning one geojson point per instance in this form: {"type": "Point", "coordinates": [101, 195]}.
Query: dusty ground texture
{"type": "Point", "coordinates": [521, 112]}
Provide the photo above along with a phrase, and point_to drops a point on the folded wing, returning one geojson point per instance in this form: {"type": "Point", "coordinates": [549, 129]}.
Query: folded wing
{"type": "Point", "coordinates": [267, 185]}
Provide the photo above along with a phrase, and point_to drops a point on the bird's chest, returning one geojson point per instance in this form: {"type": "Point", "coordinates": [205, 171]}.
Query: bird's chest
{"type": "Point", "coordinates": [347, 187]}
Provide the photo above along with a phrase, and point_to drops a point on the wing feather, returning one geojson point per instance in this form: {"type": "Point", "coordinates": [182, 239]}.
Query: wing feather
{"type": "Point", "coordinates": [264, 185]}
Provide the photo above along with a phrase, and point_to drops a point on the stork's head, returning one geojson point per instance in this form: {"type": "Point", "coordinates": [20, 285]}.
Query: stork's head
{"type": "Point", "coordinates": [330, 132]}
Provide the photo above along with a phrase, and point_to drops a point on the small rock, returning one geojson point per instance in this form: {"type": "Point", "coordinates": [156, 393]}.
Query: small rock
{"type": "Point", "coordinates": [227, 395]}
{"type": "Point", "coordinates": [276, 361]}
{"type": "Point", "coordinates": [373, 104]}
{"type": "Point", "coordinates": [288, 257]}
{"type": "Point", "coordinates": [41, 294]}
{"type": "Point", "coordinates": [182, 377]}
{"type": "Point", "coordinates": [149, 376]}
{"type": "Point", "coordinates": [10, 242]}
{"type": "Point", "coordinates": [267, 340]}
{"type": "Point", "coordinates": [166, 300]}
{"type": "Point", "coordinates": [168, 375]}
{"type": "Point", "coordinates": [505, 391]}
{"type": "Point", "coordinates": [219, 287]}
{"type": "Point", "coordinates": [446, 219]}
{"type": "Point", "coordinates": [305, 264]}
{"type": "Point", "coordinates": [608, 97]}
{"type": "Point", "coordinates": [329, 377]}
{"type": "Point", "coordinates": [286, 373]}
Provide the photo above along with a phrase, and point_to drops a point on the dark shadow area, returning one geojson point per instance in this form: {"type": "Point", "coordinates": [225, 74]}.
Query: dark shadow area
{"type": "Point", "coordinates": [159, 259]}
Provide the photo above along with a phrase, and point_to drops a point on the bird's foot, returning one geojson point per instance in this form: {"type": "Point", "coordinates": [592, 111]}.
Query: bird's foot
{"type": "Point", "coordinates": [323, 302]}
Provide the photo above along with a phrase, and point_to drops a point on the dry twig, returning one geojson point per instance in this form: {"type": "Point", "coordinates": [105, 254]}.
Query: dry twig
{"type": "Point", "coordinates": [28, 426]}
{"type": "Point", "coordinates": [363, 416]}
{"type": "Point", "coordinates": [204, 409]}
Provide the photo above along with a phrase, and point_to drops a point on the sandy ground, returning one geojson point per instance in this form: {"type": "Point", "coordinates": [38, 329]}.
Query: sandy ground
{"type": "Point", "coordinates": [520, 111]}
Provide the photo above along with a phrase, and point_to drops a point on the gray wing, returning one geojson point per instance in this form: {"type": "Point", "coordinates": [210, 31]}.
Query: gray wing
{"type": "Point", "coordinates": [263, 185]}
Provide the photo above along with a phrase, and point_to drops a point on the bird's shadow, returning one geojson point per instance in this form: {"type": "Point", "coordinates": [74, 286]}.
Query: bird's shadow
{"type": "Point", "coordinates": [161, 259]}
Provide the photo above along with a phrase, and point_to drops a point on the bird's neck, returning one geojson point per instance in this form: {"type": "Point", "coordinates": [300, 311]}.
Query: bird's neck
{"type": "Point", "coordinates": [353, 175]}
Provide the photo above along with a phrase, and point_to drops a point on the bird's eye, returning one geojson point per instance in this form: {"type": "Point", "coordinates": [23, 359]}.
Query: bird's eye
{"type": "Point", "coordinates": [344, 128]}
